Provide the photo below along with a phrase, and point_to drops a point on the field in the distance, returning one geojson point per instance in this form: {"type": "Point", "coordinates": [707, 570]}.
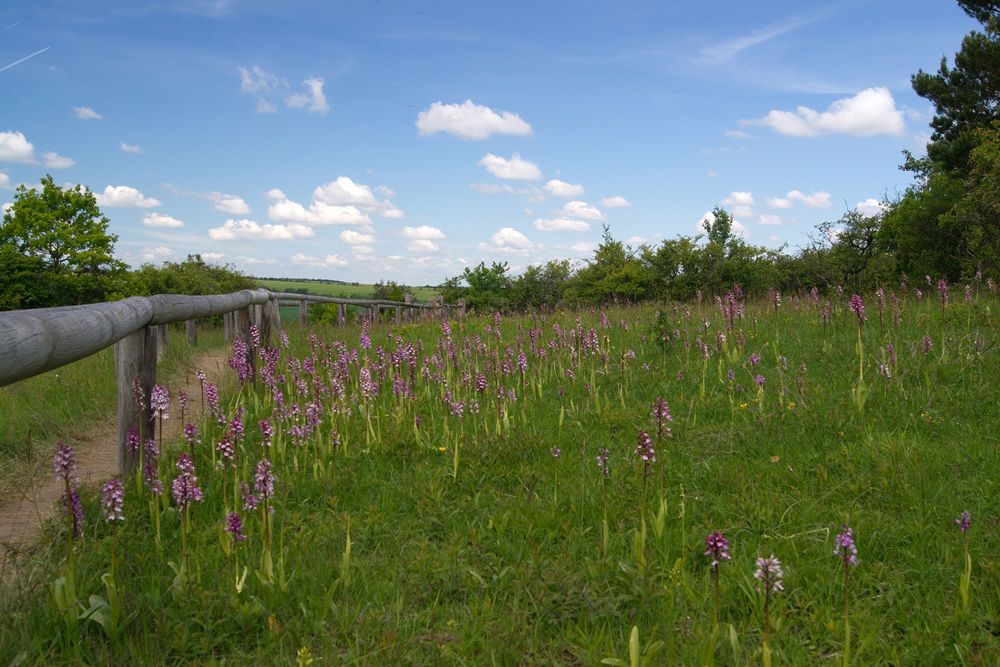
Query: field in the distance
{"type": "Point", "coordinates": [336, 288]}
{"type": "Point", "coordinates": [474, 494]}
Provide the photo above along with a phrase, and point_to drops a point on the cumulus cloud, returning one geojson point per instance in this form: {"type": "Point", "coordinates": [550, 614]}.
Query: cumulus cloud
{"type": "Point", "coordinates": [318, 213]}
{"type": "Point", "coordinates": [351, 237]}
{"type": "Point", "coordinates": [121, 196]}
{"type": "Point", "coordinates": [770, 219]}
{"type": "Point", "coordinates": [254, 261]}
{"type": "Point", "coordinates": [779, 202]}
{"type": "Point", "coordinates": [615, 202]}
{"type": "Point", "coordinates": [817, 199]}
{"type": "Point", "coordinates": [558, 188]}
{"type": "Point", "coordinates": [738, 198]}
{"type": "Point", "coordinates": [581, 209]}
{"type": "Point", "coordinates": [344, 191]}
{"type": "Point", "coordinates": [514, 169]}
{"type": "Point", "coordinates": [212, 256]}
{"type": "Point", "coordinates": [230, 204]}
{"type": "Point", "coordinates": [870, 207]}
{"type": "Point", "coordinates": [870, 112]}
{"type": "Point", "coordinates": [129, 148]}
{"type": "Point", "coordinates": [583, 246]}
{"type": "Point", "coordinates": [153, 253]}
{"type": "Point", "coordinates": [248, 230]}
{"type": "Point", "coordinates": [329, 261]}
{"type": "Point", "coordinates": [469, 120]}
{"type": "Point", "coordinates": [312, 100]}
{"type": "Point", "coordinates": [742, 211]}
{"type": "Point", "coordinates": [15, 147]}
{"type": "Point", "coordinates": [160, 220]}
{"type": "Point", "coordinates": [55, 161]}
{"type": "Point", "coordinates": [422, 233]}
{"type": "Point", "coordinates": [508, 241]}
{"type": "Point", "coordinates": [5, 183]}
{"type": "Point", "coordinates": [86, 113]}
{"type": "Point", "coordinates": [422, 245]}
{"type": "Point", "coordinates": [561, 225]}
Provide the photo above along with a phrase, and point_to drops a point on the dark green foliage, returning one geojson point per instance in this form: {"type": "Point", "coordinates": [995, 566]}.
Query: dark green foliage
{"type": "Point", "coordinates": [192, 276]}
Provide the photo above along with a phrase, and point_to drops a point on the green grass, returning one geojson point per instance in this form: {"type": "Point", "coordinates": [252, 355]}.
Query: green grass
{"type": "Point", "coordinates": [500, 559]}
{"type": "Point", "coordinates": [340, 289]}
{"type": "Point", "coordinates": [60, 404]}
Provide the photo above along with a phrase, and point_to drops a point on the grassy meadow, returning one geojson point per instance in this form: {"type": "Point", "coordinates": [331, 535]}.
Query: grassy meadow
{"type": "Point", "coordinates": [331, 288]}
{"type": "Point", "coordinates": [475, 493]}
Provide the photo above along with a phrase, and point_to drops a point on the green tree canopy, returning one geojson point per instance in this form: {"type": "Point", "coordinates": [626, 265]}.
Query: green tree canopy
{"type": "Point", "coordinates": [55, 248]}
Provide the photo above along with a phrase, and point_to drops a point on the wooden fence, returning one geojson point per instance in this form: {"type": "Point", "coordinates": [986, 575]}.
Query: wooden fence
{"type": "Point", "coordinates": [42, 339]}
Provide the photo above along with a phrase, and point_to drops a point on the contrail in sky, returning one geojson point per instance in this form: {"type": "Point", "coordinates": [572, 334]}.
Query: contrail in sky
{"type": "Point", "coordinates": [12, 25]}
{"type": "Point", "coordinates": [18, 62]}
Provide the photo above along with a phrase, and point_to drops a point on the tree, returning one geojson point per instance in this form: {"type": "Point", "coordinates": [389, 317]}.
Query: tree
{"type": "Point", "coordinates": [488, 286]}
{"type": "Point", "coordinates": [62, 234]}
{"type": "Point", "coordinates": [720, 227]}
{"type": "Point", "coordinates": [614, 274]}
{"type": "Point", "coordinates": [540, 285]}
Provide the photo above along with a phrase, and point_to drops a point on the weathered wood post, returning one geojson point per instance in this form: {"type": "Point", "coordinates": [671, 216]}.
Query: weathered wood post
{"type": "Point", "coordinates": [227, 327]}
{"type": "Point", "coordinates": [373, 314]}
{"type": "Point", "coordinates": [303, 313]}
{"type": "Point", "coordinates": [399, 314]}
{"type": "Point", "coordinates": [408, 298]}
{"type": "Point", "coordinates": [271, 326]}
{"type": "Point", "coordinates": [135, 366]}
{"type": "Point", "coordinates": [341, 314]}
{"type": "Point", "coordinates": [461, 308]}
{"type": "Point", "coordinates": [161, 341]}
{"type": "Point", "coordinates": [243, 321]}
{"type": "Point", "coordinates": [438, 302]}
{"type": "Point", "coordinates": [192, 332]}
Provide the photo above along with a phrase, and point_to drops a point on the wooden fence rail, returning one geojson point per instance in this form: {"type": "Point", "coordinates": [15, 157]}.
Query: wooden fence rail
{"type": "Point", "coordinates": [42, 339]}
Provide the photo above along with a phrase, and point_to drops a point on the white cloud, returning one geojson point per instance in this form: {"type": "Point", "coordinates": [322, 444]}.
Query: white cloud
{"type": "Point", "coordinates": [742, 211]}
{"type": "Point", "coordinates": [351, 237]}
{"type": "Point", "coordinates": [739, 135]}
{"type": "Point", "coordinates": [344, 191]}
{"type": "Point", "coordinates": [313, 100]}
{"type": "Point", "coordinates": [212, 256]}
{"type": "Point", "coordinates": [615, 202]}
{"type": "Point", "coordinates": [872, 111]}
{"type": "Point", "coordinates": [386, 209]}
{"type": "Point", "coordinates": [256, 80]}
{"type": "Point", "coordinates": [636, 241]}
{"type": "Point", "coordinates": [263, 106]}
{"type": "Point", "coordinates": [55, 161]}
{"type": "Point", "coordinates": [318, 213]}
{"type": "Point", "coordinates": [254, 261]}
{"type": "Point", "coordinates": [362, 249]}
{"type": "Point", "coordinates": [510, 241]}
{"type": "Point", "coordinates": [770, 219]}
{"type": "Point", "coordinates": [120, 196]}
{"type": "Point", "coordinates": [5, 182]}
{"type": "Point", "coordinates": [230, 204]}
{"type": "Point", "coordinates": [423, 232]}
{"type": "Point", "coordinates": [561, 225]}
{"type": "Point", "coordinates": [779, 202]}
{"type": "Point", "coordinates": [324, 263]}
{"type": "Point", "coordinates": [385, 191]}
{"type": "Point", "coordinates": [515, 169]}
{"type": "Point", "coordinates": [504, 188]}
{"type": "Point", "coordinates": [870, 207]}
{"type": "Point", "coordinates": [160, 220]}
{"type": "Point", "coordinates": [6, 206]}
{"type": "Point", "coordinates": [583, 246]}
{"type": "Point", "coordinates": [738, 198]}
{"type": "Point", "coordinates": [86, 113]}
{"type": "Point", "coordinates": [469, 120]}
{"type": "Point", "coordinates": [15, 147]}
{"type": "Point", "coordinates": [236, 230]}
{"type": "Point", "coordinates": [151, 254]}
{"type": "Point", "coordinates": [558, 188]}
{"type": "Point", "coordinates": [723, 51]}
{"type": "Point", "coordinates": [129, 148]}
{"type": "Point", "coordinates": [422, 245]}
{"type": "Point", "coordinates": [581, 209]}
{"type": "Point", "coordinates": [817, 199]}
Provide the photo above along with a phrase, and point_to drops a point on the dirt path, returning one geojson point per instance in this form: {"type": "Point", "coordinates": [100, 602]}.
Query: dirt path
{"type": "Point", "coordinates": [96, 449]}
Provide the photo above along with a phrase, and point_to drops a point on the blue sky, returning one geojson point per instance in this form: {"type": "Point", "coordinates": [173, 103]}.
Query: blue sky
{"type": "Point", "coordinates": [405, 140]}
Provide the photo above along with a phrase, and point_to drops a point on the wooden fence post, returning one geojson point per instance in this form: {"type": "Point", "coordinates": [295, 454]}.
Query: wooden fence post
{"type": "Point", "coordinates": [461, 309]}
{"type": "Point", "coordinates": [373, 314]}
{"type": "Point", "coordinates": [303, 313]}
{"type": "Point", "coordinates": [271, 326]}
{"type": "Point", "coordinates": [341, 314]}
{"type": "Point", "coordinates": [408, 298]}
{"type": "Point", "coordinates": [161, 341]}
{"type": "Point", "coordinates": [192, 332]}
{"type": "Point", "coordinates": [399, 314]}
{"type": "Point", "coordinates": [227, 327]}
{"type": "Point", "coordinates": [243, 321]}
{"type": "Point", "coordinates": [438, 302]}
{"type": "Point", "coordinates": [135, 364]}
